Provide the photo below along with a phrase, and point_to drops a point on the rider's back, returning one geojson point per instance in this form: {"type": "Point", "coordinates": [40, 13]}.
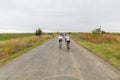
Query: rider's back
{"type": "Point", "coordinates": [67, 38]}
{"type": "Point", "coordinates": [60, 37]}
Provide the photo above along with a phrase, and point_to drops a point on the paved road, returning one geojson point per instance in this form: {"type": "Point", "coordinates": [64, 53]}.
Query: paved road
{"type": "Point", "coordinates": [48, 62]}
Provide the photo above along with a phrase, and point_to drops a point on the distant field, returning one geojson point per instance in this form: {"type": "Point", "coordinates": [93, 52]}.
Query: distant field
{"type": "Point", "coordinates": [7, 36]}
{"type": "Point", "coordinates": [107, 46]}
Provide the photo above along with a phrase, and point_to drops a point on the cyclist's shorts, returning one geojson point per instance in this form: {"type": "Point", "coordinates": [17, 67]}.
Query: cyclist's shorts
{"type": "Point", "coordinates": [60, 40]}
{"type": "Point", "coordinates": [68, 42]}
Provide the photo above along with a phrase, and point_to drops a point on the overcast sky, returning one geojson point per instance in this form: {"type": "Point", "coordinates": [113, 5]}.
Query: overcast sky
{"type": "Point", "coordinates": [59, 15]}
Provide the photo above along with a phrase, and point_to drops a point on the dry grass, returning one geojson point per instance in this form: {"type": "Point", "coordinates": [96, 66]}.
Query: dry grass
{"type": "Point", "coordinates": [107, 46]}
{"type": "Point", "coordinates": [97, 38]}
{"type": "Point", "coordinates": [12, 46]}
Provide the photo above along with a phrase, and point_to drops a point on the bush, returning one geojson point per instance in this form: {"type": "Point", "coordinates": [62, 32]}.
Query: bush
{"type": "Point", "coordinates": [98, 31]}
{"type": "Point", "coordinates": [38, 32]}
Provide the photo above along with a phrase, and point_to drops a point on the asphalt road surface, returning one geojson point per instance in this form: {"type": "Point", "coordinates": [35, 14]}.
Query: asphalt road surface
{"type": "Point", "coordinates": [48, 62]}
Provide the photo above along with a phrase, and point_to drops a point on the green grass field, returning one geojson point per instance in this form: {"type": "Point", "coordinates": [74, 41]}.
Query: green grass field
{"type": "Point", "coordinates": [7, 36]}
{"type": "Point", "coordinates": [106, 46]}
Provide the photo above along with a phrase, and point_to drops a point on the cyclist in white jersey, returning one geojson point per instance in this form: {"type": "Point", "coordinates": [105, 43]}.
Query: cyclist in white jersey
{"type": "Point", "coordinates": [67, 40]}
{"type": "Point", "coordinates": [60, 40]}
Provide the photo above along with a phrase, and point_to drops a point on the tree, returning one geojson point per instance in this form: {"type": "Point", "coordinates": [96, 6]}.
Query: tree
{"type": "Point", "coordinates": [38, 32]}
{"type": "Point", "coordinates": [98, 31]}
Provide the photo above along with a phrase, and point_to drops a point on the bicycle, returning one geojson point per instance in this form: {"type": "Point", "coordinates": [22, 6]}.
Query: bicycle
{"type": "Point", "coordinates": [60, 44]}
{"type": "Point", "coordinates": [68, 45]}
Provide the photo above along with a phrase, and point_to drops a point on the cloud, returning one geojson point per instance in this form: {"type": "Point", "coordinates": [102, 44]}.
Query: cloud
{"type": "Point", "coordinates": [59, 15]}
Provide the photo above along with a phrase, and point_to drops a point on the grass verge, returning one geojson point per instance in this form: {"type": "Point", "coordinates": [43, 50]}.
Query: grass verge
{"type": "Point", "coordinates": [109, 50]}
{"type": "Point", "coordinates": [16, 54]}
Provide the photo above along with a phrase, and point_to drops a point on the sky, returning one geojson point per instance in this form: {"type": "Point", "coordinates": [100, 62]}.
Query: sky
{"type": "Point", "coordinates": [59, 15]}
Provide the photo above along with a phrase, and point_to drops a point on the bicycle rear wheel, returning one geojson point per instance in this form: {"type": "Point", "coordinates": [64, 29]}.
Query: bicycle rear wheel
{"type": "Point", "coordinates": [68, 47]}
{"type": "Point", "coordinates": [60, 44]}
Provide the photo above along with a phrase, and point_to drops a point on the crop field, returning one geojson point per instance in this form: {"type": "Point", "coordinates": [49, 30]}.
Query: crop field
{"type": "Point", "coordinates": [7, 36]}
{"type": "Point", "coordinates": [106, 46]}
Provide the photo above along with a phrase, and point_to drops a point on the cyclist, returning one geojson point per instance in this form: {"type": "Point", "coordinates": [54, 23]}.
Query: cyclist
{"type": "Point", "coordinates": [67, 40]}
{"type": "Point", "coordinates": [60, 40]}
